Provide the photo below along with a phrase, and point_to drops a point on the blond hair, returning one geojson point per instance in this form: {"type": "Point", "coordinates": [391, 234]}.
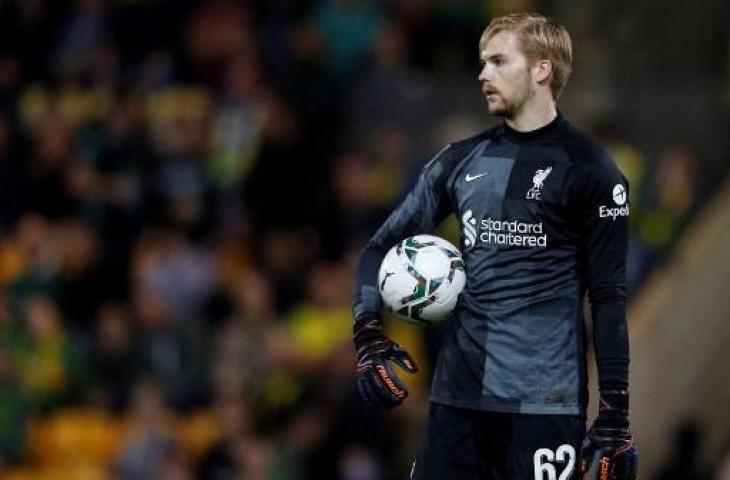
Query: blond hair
{"type": "Point", "coordinates": [539, 38]}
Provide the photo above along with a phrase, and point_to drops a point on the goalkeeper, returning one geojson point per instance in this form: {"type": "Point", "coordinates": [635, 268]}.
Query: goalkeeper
{"type": "Point", "coordinates": [509, 393]}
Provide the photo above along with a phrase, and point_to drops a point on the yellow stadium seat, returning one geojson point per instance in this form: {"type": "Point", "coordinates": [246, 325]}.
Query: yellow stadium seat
{"type": "Point", "coordinates": [196, 432]}
{"type": "Point", "coordinates": [84, 436]}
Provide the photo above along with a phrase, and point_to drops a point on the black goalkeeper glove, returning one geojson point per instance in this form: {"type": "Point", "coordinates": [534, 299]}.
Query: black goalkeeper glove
{"type": "Point", "coordinates": [377, 383]}
{"type": "Point", "coordinates": [609, 440]}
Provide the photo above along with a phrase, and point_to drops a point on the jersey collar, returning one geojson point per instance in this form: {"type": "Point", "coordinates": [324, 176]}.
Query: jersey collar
{"type": "Point", "coordinates": [543, 133]}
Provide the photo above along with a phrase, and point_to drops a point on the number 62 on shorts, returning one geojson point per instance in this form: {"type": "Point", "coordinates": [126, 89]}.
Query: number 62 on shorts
{"type": "Point", "coordinates": [545, 461]}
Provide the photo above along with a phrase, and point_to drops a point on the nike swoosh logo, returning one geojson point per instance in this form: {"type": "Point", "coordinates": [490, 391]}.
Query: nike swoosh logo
{"type": "Point", "coordinates": [469, 178]}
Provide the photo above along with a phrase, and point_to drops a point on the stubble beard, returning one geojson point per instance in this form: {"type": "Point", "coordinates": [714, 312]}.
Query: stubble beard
{"type": "Point", "coordinates": [511, 107]}
{"type": "Point", "coordinates": [505, 110]}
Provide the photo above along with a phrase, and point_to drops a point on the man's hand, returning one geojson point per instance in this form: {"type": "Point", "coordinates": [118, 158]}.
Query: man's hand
{"type": "Point", "coordinates": [377, 383]}
{"type": "Point", "coordinates": [609, 440]}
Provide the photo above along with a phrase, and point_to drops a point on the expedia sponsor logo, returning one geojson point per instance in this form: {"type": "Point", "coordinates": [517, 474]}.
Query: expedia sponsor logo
{"type": "Point", "coordinates": [506, 233]}
{"type": "Point", "coordinates": [605, 212]}
{"type": "Point", "coordinates": [619, 194]}
{"type": "Point", "coordinates": [619, 198]}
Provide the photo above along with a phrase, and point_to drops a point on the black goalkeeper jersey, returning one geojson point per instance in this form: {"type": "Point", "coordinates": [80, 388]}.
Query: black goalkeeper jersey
{"type": "Point", "coordinates": [543, 219]}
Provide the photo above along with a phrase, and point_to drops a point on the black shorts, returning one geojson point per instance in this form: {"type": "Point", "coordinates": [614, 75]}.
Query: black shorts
{"type": "Point", "coordinates": [462, 444]}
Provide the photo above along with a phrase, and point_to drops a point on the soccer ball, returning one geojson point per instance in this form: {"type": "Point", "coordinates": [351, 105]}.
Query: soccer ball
{"type": "Point", "coordinates": [421, 278]}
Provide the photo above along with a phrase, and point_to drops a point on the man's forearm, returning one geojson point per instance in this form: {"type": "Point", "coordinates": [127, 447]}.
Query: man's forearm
{"type": "Point", "coordinates": [366, 302]}
{"type": "Point", "coordinates": [610, 338]}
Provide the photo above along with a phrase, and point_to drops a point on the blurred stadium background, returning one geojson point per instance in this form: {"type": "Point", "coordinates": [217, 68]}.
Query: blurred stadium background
{"type": "Point", "coordinates": [185, 186]}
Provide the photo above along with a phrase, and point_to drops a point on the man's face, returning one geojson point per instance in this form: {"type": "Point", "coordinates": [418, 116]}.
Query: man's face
{"type": "Point", "coordinates": [506, 78]}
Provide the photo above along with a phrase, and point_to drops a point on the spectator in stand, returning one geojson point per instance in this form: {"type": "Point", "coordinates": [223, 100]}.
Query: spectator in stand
{"type": "Point", "coordinates": [13, 410]}
{"type": "Point", "coordinates": [111, 360]}
{"type": "Point", "coordinates": [347, 30]}
{"type": "Point", "coordinates": [47, 357]}
{"type": "Point", "coordinates": [235, 422]}
{"type": "Point", "coordinates": [671, 198]}
{"type": "Point", "coordinates": [242, 355]}
{"type": "Point", "coordinates": [167, 350]}
{"type": "Point", "coordinates": [13, 177]}
{"type": "Point", "coordinates": [149, 440]}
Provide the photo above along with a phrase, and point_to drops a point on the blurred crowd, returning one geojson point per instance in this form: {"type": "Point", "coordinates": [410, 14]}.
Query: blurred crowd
{"type": "Point", "coordinates": [185, 187]}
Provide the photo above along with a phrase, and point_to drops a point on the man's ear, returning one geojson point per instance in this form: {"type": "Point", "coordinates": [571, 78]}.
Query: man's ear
{"type": "Point", "coordinates": [542, 70]}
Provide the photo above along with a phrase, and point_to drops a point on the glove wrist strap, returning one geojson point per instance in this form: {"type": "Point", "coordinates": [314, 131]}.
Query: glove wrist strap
{"type": "Point", "coordinates": [368, 332]}
{"type": "Point", "coordinates": [613, 409]}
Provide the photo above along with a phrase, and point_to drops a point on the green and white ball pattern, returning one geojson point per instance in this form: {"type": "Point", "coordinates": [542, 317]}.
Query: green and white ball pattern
{"type": "Point", "coordinates": [421, 278]}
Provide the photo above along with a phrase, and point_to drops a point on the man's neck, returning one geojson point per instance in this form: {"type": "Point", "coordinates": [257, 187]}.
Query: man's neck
{"type": "Point", "coordinates": [533, 116]}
